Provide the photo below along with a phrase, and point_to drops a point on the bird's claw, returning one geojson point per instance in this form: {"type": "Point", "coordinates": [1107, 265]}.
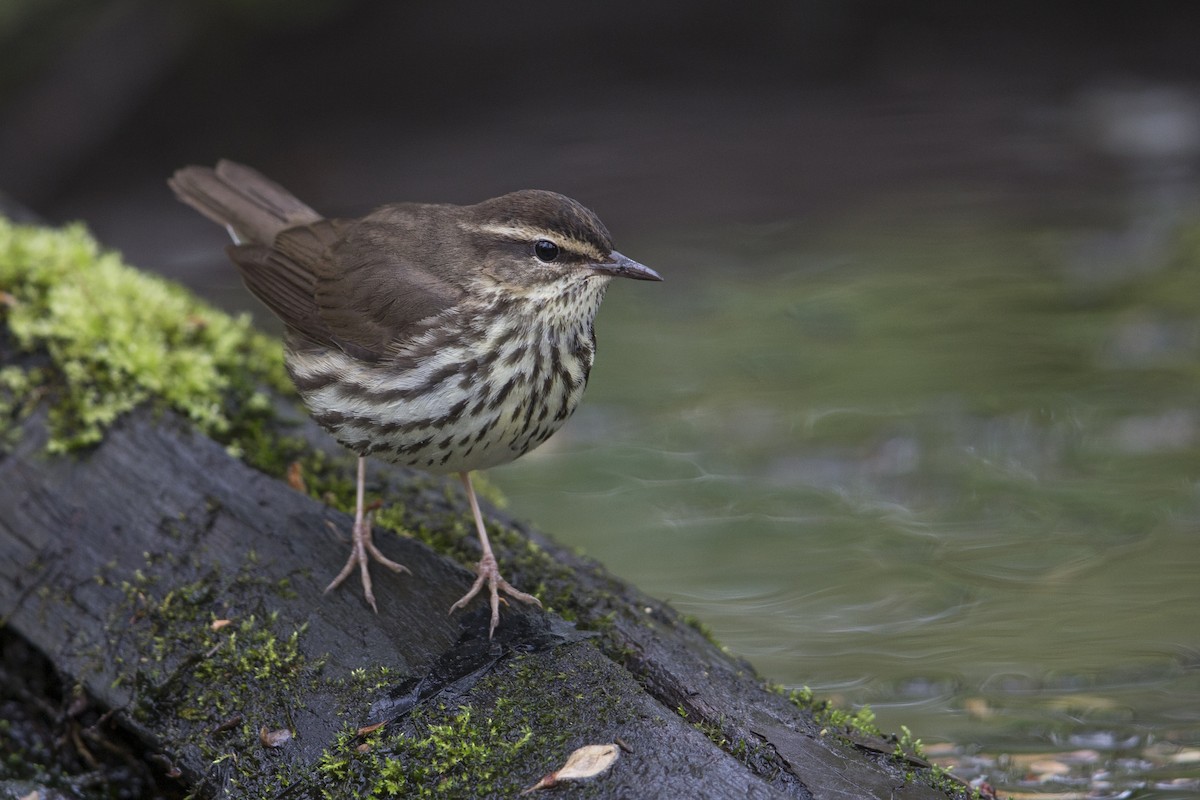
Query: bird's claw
{"type": "Point", "coordinates": [488, 572]}
{"type": "Point", "coordinates": [362, 550]}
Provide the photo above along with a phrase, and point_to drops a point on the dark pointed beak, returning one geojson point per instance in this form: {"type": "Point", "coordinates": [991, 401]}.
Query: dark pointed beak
{"type": "Point", "coordinates": [621, 267]}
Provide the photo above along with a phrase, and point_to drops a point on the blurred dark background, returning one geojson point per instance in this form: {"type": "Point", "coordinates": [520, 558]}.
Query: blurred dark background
{"type": "Point", "coordinates": [663, 117]}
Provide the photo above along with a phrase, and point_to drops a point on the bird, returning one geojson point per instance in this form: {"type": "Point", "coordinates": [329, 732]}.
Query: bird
{"type": "Point", "coordinates": [451, 338]}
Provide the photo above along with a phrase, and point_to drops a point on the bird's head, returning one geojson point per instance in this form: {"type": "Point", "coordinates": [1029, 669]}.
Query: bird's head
{"type": "Point", "coordinates": [532, 240]}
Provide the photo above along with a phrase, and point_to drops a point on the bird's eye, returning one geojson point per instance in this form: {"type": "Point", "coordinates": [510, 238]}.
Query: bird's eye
{"type": "Point", "coordinates": [545, 250]}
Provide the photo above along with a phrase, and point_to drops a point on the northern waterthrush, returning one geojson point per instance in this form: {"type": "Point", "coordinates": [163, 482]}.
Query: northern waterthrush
{"type": "Point", "coordinates": [450, 338]}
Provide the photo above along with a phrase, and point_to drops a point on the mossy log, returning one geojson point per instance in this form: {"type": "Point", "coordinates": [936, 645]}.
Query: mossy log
{"type": "Point", "coordinates": [182, 590]}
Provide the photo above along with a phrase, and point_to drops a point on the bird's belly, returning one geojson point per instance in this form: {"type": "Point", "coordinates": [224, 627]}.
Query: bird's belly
{"type": "Point", "coordinates": [459, 409]}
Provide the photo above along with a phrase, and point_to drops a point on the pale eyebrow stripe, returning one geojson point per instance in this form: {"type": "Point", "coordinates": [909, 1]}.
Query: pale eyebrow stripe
{"type": "Point", "coordinates": [528, 233]}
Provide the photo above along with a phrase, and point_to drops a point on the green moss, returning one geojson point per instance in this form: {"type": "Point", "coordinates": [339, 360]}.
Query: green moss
{"type": "Point", "coordinates": [330, 479]}
{"type": "Point", "coordinates": [749, 753]}
{"type": "Point", "coordinates": [444, 752]}
{"type": "Point", "coordinates": [696, 624]}
{"type": "Point", "coordinates": [830, 717]}
{"type": "Point", "coordinates": [18, 395]}
{"type": "Point", "coordinates": [178, 630]}
{"type": "Point", "coordinates": [118, 338]}
{"type": "Point", "coordinates": [907, 745]}
{"type": "Point", "coordinates": [515, 722]}
{"type": "Point", "coordinates": [211, 682]}
{"type": "Point", "coordinates": [862, 723]}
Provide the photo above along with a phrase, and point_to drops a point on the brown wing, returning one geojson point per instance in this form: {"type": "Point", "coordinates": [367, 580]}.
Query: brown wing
{"type": "Point", "coordinates": [283, 276]}
{"type": "Point", "coordinates": [347, 284]}
{"type": "Point", "coordinates": [385, 275]}
{"type": "Point", "coordinates": [357, 285]}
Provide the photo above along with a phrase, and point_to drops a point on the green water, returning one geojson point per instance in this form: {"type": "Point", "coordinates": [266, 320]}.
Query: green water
{"type": "Point", "coordinates": [949, 470]}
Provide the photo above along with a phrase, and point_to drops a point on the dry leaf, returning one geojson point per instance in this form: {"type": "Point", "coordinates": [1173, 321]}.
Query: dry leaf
{"type": "Point", "coordinates": [295, 477]}
{"type": "Point", "coordinates": [370, 728]}
{"type": "Point", "coordinates": [586, 762]}
{"type": "Point", "coordinates": [274, 738]}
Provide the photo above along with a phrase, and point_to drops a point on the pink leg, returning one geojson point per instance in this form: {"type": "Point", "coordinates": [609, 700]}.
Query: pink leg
{"type": "Point", "coordinates": [362, 545]}
{"type": "Point", "coordinates": [488, 570]}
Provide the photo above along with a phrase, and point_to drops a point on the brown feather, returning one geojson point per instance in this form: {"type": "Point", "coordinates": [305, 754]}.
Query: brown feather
{"type": "Point", "coordinates": [238, 197]}
{"type": "Point", "coordinates": [377, 284]}
{"type": "Point", "coordinates": [283, 288]}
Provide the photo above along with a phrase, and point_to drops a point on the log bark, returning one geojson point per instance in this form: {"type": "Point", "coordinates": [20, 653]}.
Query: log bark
{"type": "Point", "coordinates": [182, 590]}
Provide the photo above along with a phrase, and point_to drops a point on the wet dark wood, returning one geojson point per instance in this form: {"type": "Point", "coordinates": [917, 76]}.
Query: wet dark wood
{"type": "Point", "coordinates": [92, 544]}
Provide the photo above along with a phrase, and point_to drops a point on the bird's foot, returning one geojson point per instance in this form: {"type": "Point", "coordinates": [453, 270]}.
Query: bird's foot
{"type": "Point", "coordinates": [362, 548]}
{"type": "Point", "coordinates": [488, 572]}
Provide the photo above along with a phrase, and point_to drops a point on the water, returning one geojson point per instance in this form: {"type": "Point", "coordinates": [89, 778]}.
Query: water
{"type": "Point", "coordinates": [948, 469]}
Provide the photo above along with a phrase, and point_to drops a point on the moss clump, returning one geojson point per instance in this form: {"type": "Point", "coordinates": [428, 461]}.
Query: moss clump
{"type": "Point", "coordinates": [445, 752]}
{"type": "Point", "coordinates": [182, 629]}
{"type": "Point", "coordinates": [118, 338]}
{"type": "Point", "coordinates": [830, 717]}
{"type": "Point", "coordinates": [500, 737]}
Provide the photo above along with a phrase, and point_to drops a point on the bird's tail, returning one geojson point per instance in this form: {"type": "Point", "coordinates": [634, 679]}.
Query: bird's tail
{"type": "Point", "coordinates": [251, 206]}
